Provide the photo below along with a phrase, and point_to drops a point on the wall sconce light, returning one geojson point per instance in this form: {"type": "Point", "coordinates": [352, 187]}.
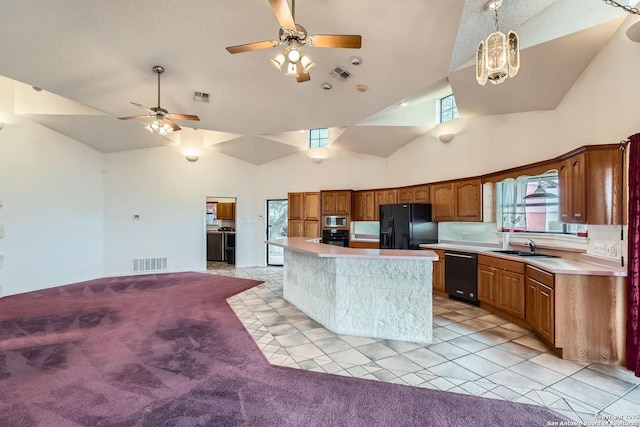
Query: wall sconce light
{"type": "Point", "coordinates": [317, 160]}
{"type": "Point", "coordinates": [446, 137]}
{"type": "Point", "coordinates": [192, 157]}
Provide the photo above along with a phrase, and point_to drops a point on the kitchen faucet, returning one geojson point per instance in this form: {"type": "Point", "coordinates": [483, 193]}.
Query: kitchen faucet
{"type": "Point", "coordinates": [532, 245]}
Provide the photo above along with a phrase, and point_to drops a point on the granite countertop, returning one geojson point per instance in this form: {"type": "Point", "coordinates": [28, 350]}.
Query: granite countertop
{"type": "Point", "coordinates": [311, 246]}
{"type": "Point", "coordinates": [571, 263]}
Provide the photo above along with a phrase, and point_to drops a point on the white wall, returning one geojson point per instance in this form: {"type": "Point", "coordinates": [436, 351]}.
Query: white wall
{"type": "Point", "coordinates": [169, 194]}
{"type": "Point", "coordinates": [51, 188]}
{"type": "Point", "coordinates": [53, 191]}
{"type": "Point", "coordinates": [601, 108]}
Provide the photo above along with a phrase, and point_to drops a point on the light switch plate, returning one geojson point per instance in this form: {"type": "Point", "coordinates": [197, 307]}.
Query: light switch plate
{"type": "Point", "coordinates": [1, 230]}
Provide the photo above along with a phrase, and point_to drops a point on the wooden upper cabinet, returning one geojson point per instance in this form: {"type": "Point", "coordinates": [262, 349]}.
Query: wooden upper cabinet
{"type": "Point", "coordinates": [357, 206]}
{"type": "Point", "coordinates": [383, 197]}
{"type": "Point", "coordinates": [296, 205]}
{"type": "Point", "coordinates": [468, 200]}
{"type": "Point", "coordinates": [422, 194]}
{"type": "Point", "coordinates": [457, 201]}
{"type": "Point", "coordinates": [591, 186]}
{"type": "Point", "coordinates": [443, 202]}
{"type": "Point", "coordinates": [226, 211]}
{"type": "Point", "coordinates": [312, 206]}
{"type": "Point", "coordinates": [336, 202]}
{"type": "Point", "coordinates": [343, 202]}
{"type": "Point", "coordinates": [405, 195]}
{"type": "Point", "coordinates": [328, 202]}
{"type": "Point", "coordinates": [362, 208]}
{"type": "Point", "coordinates": [369, 206]}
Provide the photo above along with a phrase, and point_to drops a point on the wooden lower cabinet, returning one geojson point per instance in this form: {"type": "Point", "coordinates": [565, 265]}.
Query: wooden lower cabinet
{"type": "Point", "coordinates": [487, 285]}
{"type": "Point", "coordinates": [295, 228]}
{"type": "Point", "coordinates": [364, 245]}
{"type": "Point", "coordinates": [438, 273]}
{"type": "Point", "coordinates": [501, 285]}
{"type": "Point", "coordinates": [541, 303]}
{"type": "Point", "coordinates": [311, 228]}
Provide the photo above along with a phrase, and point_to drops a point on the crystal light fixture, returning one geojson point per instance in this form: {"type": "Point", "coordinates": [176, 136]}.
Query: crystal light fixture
{"type": "Point", "coordinates": [498, 56]}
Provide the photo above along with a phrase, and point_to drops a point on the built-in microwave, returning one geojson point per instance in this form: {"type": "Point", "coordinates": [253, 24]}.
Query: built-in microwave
{"type": "Point", "coordinates": [335, 222]}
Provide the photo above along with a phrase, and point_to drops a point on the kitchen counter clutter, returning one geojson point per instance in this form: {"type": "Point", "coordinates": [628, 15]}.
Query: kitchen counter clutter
{"type": "Point", "coordinates": [574, 304]}
{"type": "Point", "coordinates": [364, 292]}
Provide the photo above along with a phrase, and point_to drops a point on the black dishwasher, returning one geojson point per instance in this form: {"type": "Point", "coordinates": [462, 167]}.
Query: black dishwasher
{"type": "Point", "coordinates": [461, 275]}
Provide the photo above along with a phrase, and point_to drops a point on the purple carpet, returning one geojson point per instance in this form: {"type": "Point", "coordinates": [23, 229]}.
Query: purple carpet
{"type": "Point", "coordinates": [167, 350]}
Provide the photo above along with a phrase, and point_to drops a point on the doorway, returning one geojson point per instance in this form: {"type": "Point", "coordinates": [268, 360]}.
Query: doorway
{"type": "Point", "coordinates": [220, 214]}
{"type": "Point", "coordinates": [277, 211]}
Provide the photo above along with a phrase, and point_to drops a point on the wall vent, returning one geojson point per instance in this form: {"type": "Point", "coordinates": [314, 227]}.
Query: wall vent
{"type": "Point", "coordinates": [340, 73]}
{"type": "Point", "coordinates": [201, 97]}
{"type": "Point", "coordinates": [149, 264]}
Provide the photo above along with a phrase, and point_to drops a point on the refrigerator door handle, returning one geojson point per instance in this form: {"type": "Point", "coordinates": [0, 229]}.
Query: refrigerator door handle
{"type": "Point", "coordinates": [392, 231]}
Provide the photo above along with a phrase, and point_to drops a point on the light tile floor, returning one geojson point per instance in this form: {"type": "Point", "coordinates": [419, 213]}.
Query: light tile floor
{"type": "Point", "coordinates": [473, 352]}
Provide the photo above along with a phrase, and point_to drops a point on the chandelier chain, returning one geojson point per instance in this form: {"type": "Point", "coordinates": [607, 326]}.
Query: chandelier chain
{"type": "Point", "coordinates": [629, 9]}
{"type": "Point", "coordinates": [495, 18]}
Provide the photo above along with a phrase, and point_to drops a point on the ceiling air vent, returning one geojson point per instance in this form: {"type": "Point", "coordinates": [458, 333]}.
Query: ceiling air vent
{"type": "Point", "coordinates": [340, 73]}
{"type": "Point", "coordinates": [201, 97]}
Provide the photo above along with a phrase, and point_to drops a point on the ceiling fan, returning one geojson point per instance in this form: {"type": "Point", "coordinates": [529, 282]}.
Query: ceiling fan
{"type": "Point", "coordinates": [163, 123]}
{"type": "Point", "coordinates": [293, 37]}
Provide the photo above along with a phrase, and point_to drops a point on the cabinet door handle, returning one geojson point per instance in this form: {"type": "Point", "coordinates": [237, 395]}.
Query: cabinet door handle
{"type": "Point", "coordinates": [458, 255]}
{"type": "Point", "coordinates": [577, 214]}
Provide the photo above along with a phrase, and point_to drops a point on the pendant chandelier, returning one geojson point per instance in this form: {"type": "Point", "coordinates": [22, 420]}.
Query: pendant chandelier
{"type": "Point", "coordinates": [498, 56]}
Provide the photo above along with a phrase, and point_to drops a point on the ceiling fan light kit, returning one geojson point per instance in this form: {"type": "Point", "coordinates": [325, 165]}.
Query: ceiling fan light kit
{"type": "Point", "coordinates": [162, 123]}
{"type": "Point", "coordinates": [293, 36]}
{"type": "Point", "coordinates": [498, 57]}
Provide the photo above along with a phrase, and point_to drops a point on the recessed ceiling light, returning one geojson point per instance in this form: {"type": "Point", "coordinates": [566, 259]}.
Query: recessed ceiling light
{"type": "Point", "coordinates": [361, 88]}
{"type": "Point", "coordinates": [404, 103]}
{"type": "Point", "coordinates": [36, 88]}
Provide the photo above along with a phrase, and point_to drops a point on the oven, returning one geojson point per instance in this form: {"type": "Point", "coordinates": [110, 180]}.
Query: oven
{"type": "Point", "coordinates": [335, 222]}
{"type": "Point", "coordinates": [336, 237]}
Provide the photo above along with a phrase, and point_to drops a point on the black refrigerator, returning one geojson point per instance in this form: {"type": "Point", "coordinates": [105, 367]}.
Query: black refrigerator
{"type": "Point", "coordinates": [406, 226]}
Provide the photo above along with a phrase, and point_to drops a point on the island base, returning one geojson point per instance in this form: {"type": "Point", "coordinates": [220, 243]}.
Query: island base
{"type": "Point", "coordinates": [377, 298]}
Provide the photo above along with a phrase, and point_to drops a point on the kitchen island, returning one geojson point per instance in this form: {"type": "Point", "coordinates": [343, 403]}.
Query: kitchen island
{"type": "Point", "coordinates": [378, 293]}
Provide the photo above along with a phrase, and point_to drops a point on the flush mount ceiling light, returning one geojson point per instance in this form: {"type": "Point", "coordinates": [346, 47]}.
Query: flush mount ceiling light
{"type": "Point", "coordinates": [498, 56]}
{"type": "Point", "coordinates": [293, 37]}
{"type": "Point", "coordinates": [446, 137]}
{"type": "Point", "coordinates": [191, 157]}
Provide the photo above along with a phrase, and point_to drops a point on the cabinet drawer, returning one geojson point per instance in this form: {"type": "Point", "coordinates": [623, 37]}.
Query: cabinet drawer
{"type": "Point", "coordinates": [502, 264]}
{"type": "Point", "coordinates": [541, 276]}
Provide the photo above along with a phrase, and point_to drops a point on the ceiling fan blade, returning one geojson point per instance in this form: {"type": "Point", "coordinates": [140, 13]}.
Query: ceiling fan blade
{"type": "Point", "coordinates": [184, 117]}
{"type": "Point", "coordinates": [302, 76]}
{"type": "Point", "coordinates": [251, 46]}
{"type": "Point", "coordinates": [144, 108]}
{"type": "Point", "coordinates": [146, 116]}
{"type": "Point", "coordinates": [335, 40]}
{"type": "Point", "coordinates": [283, 14]}
{"type": "Point", "coordinates": [173, 124]}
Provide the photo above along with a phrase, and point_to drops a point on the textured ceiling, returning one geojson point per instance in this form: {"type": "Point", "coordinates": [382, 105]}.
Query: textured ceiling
{"type": "Point", "coordinates": [100, 55]}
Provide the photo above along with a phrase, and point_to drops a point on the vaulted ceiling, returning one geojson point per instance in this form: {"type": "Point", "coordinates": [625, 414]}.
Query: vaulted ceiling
{"type": "Point", "coordinates": [93, 58]}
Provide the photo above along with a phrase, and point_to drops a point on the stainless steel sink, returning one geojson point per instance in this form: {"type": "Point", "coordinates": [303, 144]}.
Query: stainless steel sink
{"type": "Point", "coordinates": [525, 254]}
